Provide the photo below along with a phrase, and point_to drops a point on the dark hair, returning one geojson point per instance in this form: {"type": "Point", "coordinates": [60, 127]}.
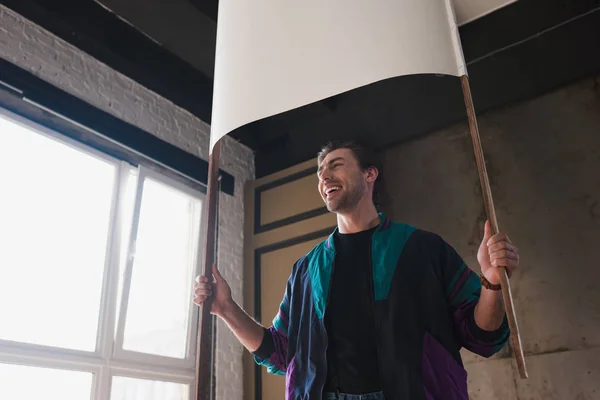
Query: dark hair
{"type": "Point", "coordinates": [366, 158]}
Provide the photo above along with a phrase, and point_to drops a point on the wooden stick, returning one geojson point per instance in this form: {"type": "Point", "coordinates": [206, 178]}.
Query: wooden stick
{"type": "Point", "coordinates": [515, 337]}
{"type": "Point", "coordinates": [203, 372]}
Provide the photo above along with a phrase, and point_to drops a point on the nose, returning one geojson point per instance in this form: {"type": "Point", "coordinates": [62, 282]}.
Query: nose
{"type": "Point", "coordinates": [323, 180]}
{"type": "Point", "coordinates": [324, 175]}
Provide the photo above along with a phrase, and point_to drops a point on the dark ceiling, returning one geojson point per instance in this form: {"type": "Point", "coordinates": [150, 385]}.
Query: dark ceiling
{"type": "Point", "coordinates": [515, 53]}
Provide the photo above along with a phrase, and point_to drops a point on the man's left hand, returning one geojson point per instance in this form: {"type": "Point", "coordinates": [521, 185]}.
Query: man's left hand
{"type": "Point", "coordinates": [496, 251]}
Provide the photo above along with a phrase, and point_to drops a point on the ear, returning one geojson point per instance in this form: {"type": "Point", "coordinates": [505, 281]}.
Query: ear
{"type": "Point", "coordinates": [371, 174]}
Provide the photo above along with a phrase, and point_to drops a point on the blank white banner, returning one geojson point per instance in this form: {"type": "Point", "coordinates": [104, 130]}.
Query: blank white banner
{"type": "Point", "coordinates": [275, 55]}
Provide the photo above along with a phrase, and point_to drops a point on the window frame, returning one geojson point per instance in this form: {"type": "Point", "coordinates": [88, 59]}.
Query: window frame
{"type": "Point", "coordinates": [107, 359]}
{"type": "Point", "coordinates": [119, 352]}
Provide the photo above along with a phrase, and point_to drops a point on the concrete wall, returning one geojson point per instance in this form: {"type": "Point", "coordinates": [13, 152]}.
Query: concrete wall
{"type": "Point", "coordinates": [38, 51]}
{"type": "Point", "coordinates": [544, 165]}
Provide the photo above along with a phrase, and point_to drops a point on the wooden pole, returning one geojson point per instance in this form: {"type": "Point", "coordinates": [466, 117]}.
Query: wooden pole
{"type": "Point", "coordinates": [515, 337]}
{"type": "Point", "coordinates": [203, 372]}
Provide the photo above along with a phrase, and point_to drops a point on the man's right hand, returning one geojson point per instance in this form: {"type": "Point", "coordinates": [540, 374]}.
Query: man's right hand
{"type": "Point", "coordinates": [219, 290]}
{"type": "Point", "coordinates": [249, 332]}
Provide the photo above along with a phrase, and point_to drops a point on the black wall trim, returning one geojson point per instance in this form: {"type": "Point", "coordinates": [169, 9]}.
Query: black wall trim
{"type": "Point", "coordinates": [51, 97]}
{"type": "Point", "coordinates": [294, 218]}
{"type": "Point", "coordinates": [257, 287]}
{"type": "Point", "coordinates": [258, 228]}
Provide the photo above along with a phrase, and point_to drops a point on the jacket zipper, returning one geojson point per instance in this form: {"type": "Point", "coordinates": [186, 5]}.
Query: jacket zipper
{"type": "Point", "coordinates": [326, 334]}
{"type": "Point", "coordinates": [373, 309]}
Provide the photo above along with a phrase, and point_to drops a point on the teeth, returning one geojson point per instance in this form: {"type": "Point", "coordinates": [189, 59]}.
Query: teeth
{"type": "Point", "coordinates": [330, 189]}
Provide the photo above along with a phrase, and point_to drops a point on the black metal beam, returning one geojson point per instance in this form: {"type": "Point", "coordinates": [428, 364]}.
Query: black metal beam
{"type": "Point", "coordinates": [210, 8]}
{"type": "Point", "coordinates": [103, 35]}
{"type": "Point", "coordinates": [518, 21]}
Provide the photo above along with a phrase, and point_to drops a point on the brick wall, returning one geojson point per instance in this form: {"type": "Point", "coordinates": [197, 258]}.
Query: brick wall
{"type": "Point", "coordinates": [54, 60]}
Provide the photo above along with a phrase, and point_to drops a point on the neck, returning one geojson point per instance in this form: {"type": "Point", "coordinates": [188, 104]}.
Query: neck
{"type": "Point", "coordinates": [361, 218]}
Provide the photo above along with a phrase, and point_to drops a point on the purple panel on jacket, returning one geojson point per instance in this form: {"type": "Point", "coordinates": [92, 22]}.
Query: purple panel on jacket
{"type": "Point", "coordinates": [289, 379]}
{"type": "Point", "coordinates": [443, 377]}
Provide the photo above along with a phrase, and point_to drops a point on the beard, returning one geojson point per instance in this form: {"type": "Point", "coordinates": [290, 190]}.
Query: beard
{"type": "Point", "coordinates": [349, 199]}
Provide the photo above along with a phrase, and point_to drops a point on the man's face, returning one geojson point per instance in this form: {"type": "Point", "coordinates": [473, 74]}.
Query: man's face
{"type": "Point", "coordinates": [342, 184]}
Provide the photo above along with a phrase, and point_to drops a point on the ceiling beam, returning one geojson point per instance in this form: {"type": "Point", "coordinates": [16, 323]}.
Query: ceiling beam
{"type": "Point", "coordinates": [210, 8]}
{"type": "Point", "coordinates": [100, 33]}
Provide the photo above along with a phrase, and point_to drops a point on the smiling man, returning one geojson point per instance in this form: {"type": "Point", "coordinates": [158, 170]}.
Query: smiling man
{"type": "Point", "coordinates": [380, 309]}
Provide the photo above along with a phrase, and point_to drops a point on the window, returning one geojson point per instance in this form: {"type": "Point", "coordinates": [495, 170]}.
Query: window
{"type": "Point", "coordinates": [97, 259]}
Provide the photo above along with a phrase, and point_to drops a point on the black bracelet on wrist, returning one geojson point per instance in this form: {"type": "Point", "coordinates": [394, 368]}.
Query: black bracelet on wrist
{"type": "Point", "coordinates": [487, 284]}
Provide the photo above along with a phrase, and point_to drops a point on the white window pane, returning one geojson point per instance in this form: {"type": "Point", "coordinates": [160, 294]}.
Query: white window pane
{"type": "Point", "coordinates": [19, 382]}
{"type": "Point", "coordinates": [124, 388]}
{"type": "Point", "coordinates": [163, 270]}
{"type": "Point", "coordinates": [54, 219]}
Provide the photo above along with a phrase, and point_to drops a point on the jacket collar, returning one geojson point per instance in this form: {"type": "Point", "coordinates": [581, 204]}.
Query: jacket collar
{"type": "Point", "coordinates": [384, 223]}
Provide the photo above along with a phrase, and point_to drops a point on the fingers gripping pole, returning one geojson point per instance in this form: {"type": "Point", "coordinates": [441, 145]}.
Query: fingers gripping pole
{"type": "Point", "coordinates": [203, 371]}
{"type": "Point", "coordinates": [515, 337]}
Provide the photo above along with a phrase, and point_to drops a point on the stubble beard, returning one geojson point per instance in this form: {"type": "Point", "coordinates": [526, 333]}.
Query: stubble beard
{"type": "Point", "coordinates": [349, 200]}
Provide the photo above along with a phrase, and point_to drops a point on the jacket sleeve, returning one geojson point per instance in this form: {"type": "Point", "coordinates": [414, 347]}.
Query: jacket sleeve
{"type": "Point", "coordinates": [463, 288]}
{"type": "Point", "coordinates": [272, 352]}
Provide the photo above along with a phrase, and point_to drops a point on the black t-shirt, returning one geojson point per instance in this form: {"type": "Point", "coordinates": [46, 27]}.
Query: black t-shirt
{"type": "Point", "coordinates": [352, 364]}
